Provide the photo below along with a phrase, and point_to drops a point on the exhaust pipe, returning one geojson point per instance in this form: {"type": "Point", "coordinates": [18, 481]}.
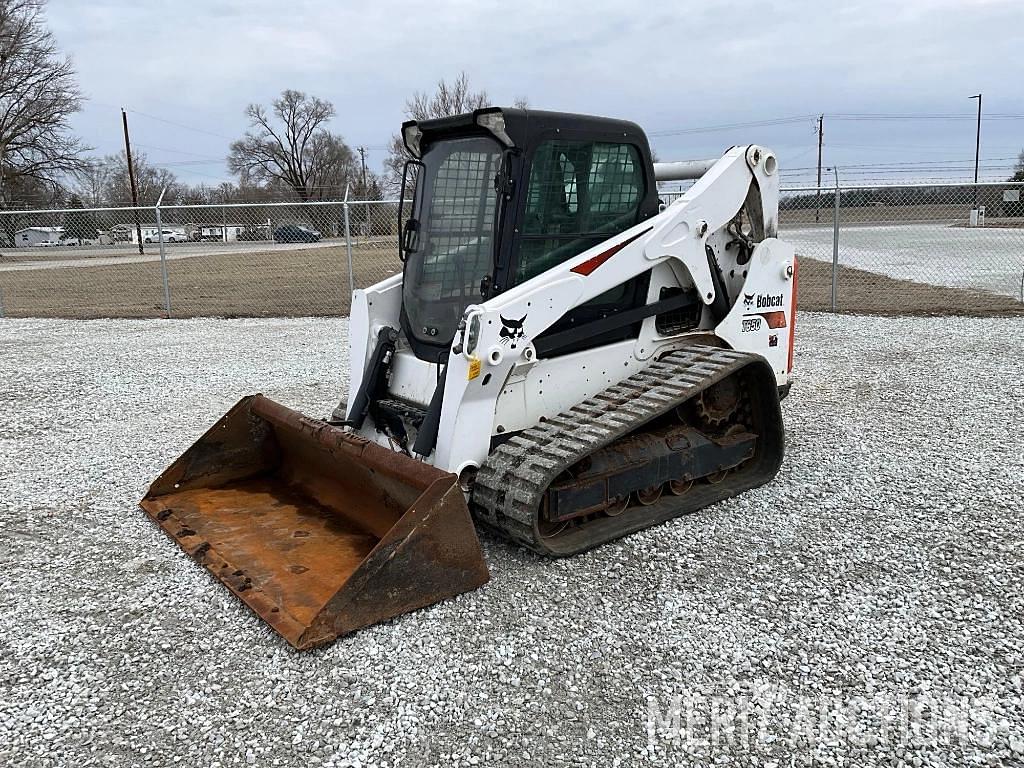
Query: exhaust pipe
{"type": "Point", "coordinates": [684, 170]}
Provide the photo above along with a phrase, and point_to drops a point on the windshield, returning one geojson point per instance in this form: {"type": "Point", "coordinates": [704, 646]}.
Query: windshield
{"type": "Point", "coordinates": [456, 216]}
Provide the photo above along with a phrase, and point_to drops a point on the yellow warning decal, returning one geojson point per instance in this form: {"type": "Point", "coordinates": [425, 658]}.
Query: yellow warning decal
{"type": "Point", "coordinates": [474, 368]}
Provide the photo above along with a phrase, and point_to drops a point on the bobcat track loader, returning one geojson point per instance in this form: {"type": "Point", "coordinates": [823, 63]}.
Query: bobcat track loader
{"type": "Point", "coordinates": [562, 359]}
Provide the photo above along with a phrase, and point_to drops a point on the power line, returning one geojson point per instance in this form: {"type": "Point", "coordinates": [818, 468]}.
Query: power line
{"type": "Point", "coordinates": [914, 169]}
{"type": "Point", "coordinates": [181, 125]}
{"type": "Point", "coordinates": [791, 158]}
{"type": "Point", "coordinates": [996, 174]}
{"type": "Point", "coordinates": [181, 152]}
{"type": "Point", "coordinates": [880, 116]}
{"type": "Point", "coordinates": [917, 147]}
{"type": "Point", "coordinates": [850, 116]}
{"type": "Point", "coordinates": [191, 172]}
{"type": "Point", "coordinates": [936, 163]}
{"type": "Point", "coordinates": [731, 126]}
{"type": "Point", "coordinates": [176, 163]}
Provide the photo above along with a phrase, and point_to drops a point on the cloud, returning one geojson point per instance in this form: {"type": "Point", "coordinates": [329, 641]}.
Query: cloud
{"type": "Point", "coordinates": [673, 65]}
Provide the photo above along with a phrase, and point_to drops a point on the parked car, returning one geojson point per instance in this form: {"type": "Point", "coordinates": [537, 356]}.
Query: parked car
{"type": "Point", "coordinates": [294, 233]}
{"type": "Point", "coordinates": [169, 237]}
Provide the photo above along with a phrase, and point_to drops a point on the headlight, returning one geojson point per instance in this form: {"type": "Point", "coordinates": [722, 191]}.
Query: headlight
{"type": "Point", "coordinates": [494, 121]}
{"type": "Point", "coordinates": [411, 135]}
{"type": "Point", "coordinates": [473, 334]}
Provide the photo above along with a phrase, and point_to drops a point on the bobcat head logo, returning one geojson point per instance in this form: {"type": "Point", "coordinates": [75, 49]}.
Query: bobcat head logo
{"type": "Point", "coordinates": [512, 330]}
{"type": "Point", "coordinates": [748, 300]}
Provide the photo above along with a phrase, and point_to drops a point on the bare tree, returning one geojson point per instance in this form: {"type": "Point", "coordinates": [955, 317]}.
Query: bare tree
{"type": "Point", "coordinates": [455, 98]}
{"type": "Point", "coordinates": [92, 180]}
{"type": "Point", "coordinates": [38, 94]}
{"type": "Point", "coordinates": [79, 224]}
{"type": "Point", "coordinates": [290, 144]}
{"type": "Point", "coordinates": [1018, 168]}
{"type": "Point", "coordinates": [150, 180]}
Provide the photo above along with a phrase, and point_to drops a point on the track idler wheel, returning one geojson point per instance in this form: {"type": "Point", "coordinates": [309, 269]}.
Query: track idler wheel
{"type": "Point", "coordinates": [716, 477]}
{"type": "Point", "coordinates": [679, 487]}
{"type": "Point", "coordinates": [647, 496]}
{"type": "Point", "coordinates": [617, 506]}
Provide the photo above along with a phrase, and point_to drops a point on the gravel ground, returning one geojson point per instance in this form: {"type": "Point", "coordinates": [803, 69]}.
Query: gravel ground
{"type": "Point", "coordinates": [883, 566]}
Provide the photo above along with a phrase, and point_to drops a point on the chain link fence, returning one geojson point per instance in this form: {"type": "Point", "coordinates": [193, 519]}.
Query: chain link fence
{"type": "Point", "coordinates": [244, 260]}
{"type": "Point", "coordinates": [915, 249]}
{"type": "Point", "coordinates": [889, 250]}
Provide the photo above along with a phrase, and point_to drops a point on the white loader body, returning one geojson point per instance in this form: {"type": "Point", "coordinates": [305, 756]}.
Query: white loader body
{"type": "Point", "coordinates": [497, 383]}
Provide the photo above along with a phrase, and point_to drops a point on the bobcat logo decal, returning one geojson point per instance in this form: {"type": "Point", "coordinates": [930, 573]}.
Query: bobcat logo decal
{"type": "Point", "coordinates": [512, 330]}
{"type": "Point", "coordinates": [748, 300]}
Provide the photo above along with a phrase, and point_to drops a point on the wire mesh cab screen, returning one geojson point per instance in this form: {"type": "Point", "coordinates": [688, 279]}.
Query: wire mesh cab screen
{"type": "Point", "coordinates": [457, 211]}
{"type": "Point", "coordinates": [580, 193]}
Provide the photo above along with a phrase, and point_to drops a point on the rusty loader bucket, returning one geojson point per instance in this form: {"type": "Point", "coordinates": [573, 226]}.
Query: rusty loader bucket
{"type": "Point", "coordinates": [319, 531]}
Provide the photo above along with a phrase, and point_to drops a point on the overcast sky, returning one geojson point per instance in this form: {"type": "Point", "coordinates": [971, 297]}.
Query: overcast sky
{"type": "Point", "coordinates": [677, 67]}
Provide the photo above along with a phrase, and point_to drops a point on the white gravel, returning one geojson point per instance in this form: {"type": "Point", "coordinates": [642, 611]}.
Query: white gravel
{"type": "Point", "coordinates": [885, 562]}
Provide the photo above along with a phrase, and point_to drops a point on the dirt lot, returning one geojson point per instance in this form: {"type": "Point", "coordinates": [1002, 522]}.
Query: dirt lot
{"type": "Point", "coordinates": [275, 283]}
{"type": "Point", "coordinates": [869, 293]}
{"type": "Point", "coordinates": [314, 282]}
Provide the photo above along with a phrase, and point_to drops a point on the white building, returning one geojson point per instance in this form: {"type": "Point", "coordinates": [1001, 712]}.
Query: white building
{"type": "Point", "coordinates": [219, 232]}
{"type": "Point", "coordinates": [25, 238]}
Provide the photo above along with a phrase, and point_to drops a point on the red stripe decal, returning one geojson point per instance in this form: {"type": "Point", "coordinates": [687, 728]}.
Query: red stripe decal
{"type": "Point", "coordinates": [594, 262]}
{"type": "Point", "coordinates": [792, 317]}
{"type": "Point", "coordinates": [774, 319]}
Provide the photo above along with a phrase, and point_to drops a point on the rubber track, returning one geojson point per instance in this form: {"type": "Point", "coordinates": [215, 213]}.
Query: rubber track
{"type": "Point", "coordinates": [511, 484]}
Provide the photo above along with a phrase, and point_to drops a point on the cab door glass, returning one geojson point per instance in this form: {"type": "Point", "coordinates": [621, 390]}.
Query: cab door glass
{"type": "Point", "coordinates": [579, 194]}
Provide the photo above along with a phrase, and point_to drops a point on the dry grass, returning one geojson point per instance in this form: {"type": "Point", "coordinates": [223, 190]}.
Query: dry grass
{"type": "Point", "coordinates": [314, 282]}
{"type": "Point", "coordinates": [869, 293]}
{"type": "Point", "coordinates": [275, 283]}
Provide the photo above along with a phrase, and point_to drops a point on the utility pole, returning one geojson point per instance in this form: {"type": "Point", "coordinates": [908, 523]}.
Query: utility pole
{"type": "Point", "coordinates": [225, 188]}
{"type": "Point", "coordinates": [362, 155]}
{"type": "Point", "coordinates": [131, 179]}
{"type": "Point", "coordinates": [821, 125]}
{"type": "Point", "coordinates": [977, 151]}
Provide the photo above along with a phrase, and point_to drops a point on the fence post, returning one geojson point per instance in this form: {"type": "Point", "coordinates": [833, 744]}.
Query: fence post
{"type": "Point", "coordinates": [348, 247]}
{"type": "Point", "coordinates": [163, 254]}
{"type": "Point", "coordinates": [4, 227]}
{"type": "Point", "coordinates": [835, 245]}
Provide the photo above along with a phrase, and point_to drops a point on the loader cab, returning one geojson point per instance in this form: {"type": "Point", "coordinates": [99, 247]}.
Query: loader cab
{"type": "Point", "coordinates": [499, 196]}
